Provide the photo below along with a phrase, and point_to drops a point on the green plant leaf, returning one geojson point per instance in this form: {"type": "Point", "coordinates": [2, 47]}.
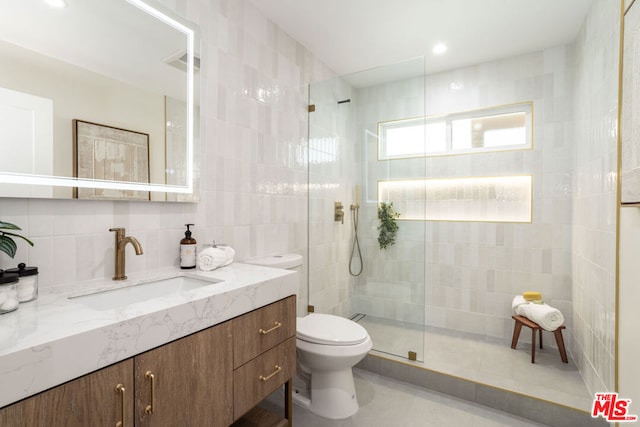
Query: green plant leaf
{"type": "Point", "coordinates": [8, 226]}
{"type": "Point", "coordinates": [388, 227]}
{"type": "Point", "coordinates": [5, 233]}
{"type": "Point", "coordinates": [8, 246]}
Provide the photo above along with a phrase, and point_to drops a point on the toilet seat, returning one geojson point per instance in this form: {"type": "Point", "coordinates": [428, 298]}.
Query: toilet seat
{"type": "Point", "coordinates": [328, 329]}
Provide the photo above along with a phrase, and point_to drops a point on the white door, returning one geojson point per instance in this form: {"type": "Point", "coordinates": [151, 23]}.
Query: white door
{"type": "Point", "coordinates": [26, 141]}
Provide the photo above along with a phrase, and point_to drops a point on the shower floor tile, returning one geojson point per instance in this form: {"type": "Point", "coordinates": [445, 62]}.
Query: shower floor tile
{"type": "Point", "coordinates": [484, 360]}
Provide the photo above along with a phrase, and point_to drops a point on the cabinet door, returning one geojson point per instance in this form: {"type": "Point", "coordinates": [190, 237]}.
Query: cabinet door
{"type": "Point", "coordinates": [91, 400]}
{"type": "Point", "coordinates": [192, 381]}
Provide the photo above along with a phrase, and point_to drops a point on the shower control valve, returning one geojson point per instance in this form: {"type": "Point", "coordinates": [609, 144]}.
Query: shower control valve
{"type": "Point", "coordinates": [338, 212]}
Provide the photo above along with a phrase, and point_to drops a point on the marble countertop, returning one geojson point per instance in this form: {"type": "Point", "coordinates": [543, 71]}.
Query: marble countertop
{"type": "Point", "coordinates": [55, 339]}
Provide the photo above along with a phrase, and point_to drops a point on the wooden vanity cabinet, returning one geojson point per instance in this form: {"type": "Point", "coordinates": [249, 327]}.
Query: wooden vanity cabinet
{"type": "Point", "coordinates": [92, 400]}
{"type": "Point", "coordinates": [210, 378]}
{"type": "Point", "coordinates": [186, 382]}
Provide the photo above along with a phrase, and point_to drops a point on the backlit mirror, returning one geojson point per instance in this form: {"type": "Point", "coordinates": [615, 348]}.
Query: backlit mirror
{"type": "Point", "coordinates": [97, 101]}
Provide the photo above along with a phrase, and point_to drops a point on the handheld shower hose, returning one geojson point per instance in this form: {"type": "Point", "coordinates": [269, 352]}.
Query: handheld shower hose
{"type": "Point", "coordinates": [356, 244]}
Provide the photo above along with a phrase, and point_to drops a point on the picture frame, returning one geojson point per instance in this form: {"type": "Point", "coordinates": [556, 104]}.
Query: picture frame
{"type": "Point", "coordinates": [109, 153]}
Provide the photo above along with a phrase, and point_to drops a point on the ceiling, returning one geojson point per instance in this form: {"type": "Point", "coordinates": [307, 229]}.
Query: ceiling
{"type": "Point", "coordinates": [355, 35]}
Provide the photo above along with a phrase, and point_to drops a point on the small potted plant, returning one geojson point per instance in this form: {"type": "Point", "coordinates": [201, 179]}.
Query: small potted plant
{"type": "Point", "coordinates": [388, 227]}
{"type": "Point", "coordinates": [7, 244]}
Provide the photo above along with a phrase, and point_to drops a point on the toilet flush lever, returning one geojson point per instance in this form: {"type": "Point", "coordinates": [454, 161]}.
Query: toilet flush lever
{"type": "Point", "coordinates": [275, 326]}
{"type": "Point", "coordinates": [338, 212]}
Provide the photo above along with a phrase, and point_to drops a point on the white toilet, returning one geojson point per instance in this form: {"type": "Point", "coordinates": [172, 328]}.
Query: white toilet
{"type": "Point", "coordinates": [328, 347]}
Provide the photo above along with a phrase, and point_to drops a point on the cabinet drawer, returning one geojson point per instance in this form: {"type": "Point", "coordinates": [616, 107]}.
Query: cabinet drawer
{"type": "Point", "coordinates": [257, 379]}
{"type": "Point", "coordinates": [262, 329]}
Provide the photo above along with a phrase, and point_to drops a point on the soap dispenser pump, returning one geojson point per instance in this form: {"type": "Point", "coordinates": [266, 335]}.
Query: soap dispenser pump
{"type": "Point", "coordinates": [188, 250]}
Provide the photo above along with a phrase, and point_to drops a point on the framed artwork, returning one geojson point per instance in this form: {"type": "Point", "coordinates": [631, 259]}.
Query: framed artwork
{"type": "Point", "coordinates": [107, 153]}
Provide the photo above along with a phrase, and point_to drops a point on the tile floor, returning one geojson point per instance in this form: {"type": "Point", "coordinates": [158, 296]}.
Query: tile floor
{"type": "Point", "coordinates": [386, 402]}
{"type": "Point", "coordinates": [485, 360]}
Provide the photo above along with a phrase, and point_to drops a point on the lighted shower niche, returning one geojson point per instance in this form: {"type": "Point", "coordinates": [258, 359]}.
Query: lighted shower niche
{"type": "Point", "coordinates": [495, 199]}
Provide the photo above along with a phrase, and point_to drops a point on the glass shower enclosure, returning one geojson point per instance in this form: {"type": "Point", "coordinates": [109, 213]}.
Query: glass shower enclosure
{"type": "Point", "coordinates": [363, 157]}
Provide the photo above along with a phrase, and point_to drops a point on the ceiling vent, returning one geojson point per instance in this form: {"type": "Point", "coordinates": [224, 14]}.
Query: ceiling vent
{"type": "Point", "coordinates": [179, 61]}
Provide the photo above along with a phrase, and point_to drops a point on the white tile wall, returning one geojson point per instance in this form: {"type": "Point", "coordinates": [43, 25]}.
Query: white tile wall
{"type": "Point", "coordinates": [253, 191]}
{"type": "Point", "coordinates": [594, 202]}
{"type": "Point", "coordinates": [503, 260]}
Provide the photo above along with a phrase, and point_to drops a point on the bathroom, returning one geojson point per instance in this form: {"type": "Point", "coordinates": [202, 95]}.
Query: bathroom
{"type": "Point", "coordinates": [253, 186]}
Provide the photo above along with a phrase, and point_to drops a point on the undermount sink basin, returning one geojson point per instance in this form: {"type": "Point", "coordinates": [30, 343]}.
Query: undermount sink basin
{"type": "Point", "coordinates": [121, 297]}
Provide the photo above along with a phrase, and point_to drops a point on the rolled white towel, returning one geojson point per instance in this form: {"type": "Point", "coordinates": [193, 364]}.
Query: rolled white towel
{"type": "Point", "coordinates": [549, 318]}
{"type": "Point", "coordinates": [518, 302]}
{"type": "Point", "coordinates": [212, 258]}
{"type": "Point", "coordinates": [230, 252]}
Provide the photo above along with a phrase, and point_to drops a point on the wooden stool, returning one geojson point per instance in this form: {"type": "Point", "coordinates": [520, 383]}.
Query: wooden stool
{"type": "Point", "coordinates": [521, 320]}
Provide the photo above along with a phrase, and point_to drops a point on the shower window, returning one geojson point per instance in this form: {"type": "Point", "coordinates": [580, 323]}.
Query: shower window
{"type": "Point", "coordinates": [412, 138]}
{"type": "Point", "coordinates": [491, 129]}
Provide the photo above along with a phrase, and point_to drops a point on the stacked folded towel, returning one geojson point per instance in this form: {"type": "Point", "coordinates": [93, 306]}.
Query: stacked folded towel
{"type": "Point", "coordinates": [547, 317]}
{"type": "Point", "coordinates": [215, 257]}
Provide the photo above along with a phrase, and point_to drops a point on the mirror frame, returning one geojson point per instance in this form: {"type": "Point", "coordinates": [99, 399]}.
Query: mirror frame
{"type": "Point", "coordinates": [30, 179]}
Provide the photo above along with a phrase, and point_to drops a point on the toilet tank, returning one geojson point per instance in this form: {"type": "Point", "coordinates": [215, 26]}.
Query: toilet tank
{"type": "Point", "coordinates": [284, 261]}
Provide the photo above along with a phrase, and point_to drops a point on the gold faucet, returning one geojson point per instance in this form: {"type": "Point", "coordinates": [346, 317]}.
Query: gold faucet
{"type": "Point", "coordinates": [121, 243]}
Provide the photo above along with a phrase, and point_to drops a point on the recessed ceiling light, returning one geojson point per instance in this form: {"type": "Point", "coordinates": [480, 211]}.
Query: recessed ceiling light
{"type": "Point", "coordinates": [439, 49]}
{"type": "Point", "coordinates": [56, 3]}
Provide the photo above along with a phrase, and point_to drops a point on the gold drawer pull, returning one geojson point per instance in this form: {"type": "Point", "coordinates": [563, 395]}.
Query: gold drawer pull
{"type": "Point", "coordinates": [268, 377]}
{"type": "Point", "coordinates": [276, 325]}
{"type": "Point", "coordinates": [120, 389]}
{"type": "Point", "coordinates": [151, 377]}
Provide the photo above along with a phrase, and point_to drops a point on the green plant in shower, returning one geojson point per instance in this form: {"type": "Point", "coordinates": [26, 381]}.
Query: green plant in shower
{"type": "Point", "coordinates": [388, 227]}
{"type": "Point", "coordinates": [7, 244]}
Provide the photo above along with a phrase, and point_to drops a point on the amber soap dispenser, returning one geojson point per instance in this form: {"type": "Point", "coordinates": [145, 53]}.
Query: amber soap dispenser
{"type": "Point", "coordinates": [188, 250]}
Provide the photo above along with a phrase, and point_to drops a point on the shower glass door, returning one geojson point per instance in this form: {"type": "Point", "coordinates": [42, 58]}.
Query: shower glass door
{"type": "Point", "coordinates": [367, 139]}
